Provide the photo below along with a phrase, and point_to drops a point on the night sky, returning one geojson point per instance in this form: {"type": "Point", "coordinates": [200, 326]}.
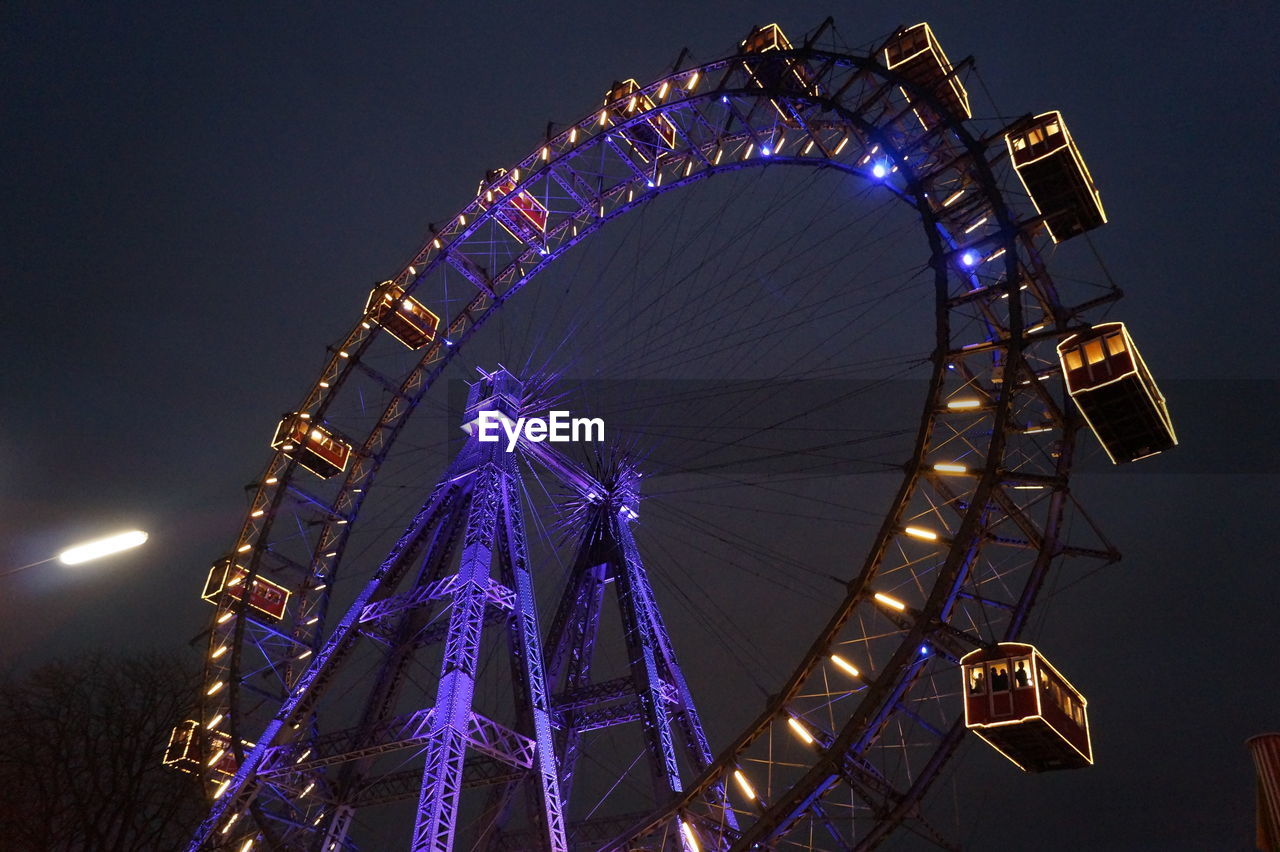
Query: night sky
{"type": "Point", "coordinates": [195, 201]}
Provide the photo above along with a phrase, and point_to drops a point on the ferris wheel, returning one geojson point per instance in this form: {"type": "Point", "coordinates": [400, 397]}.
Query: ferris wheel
{"type": "Point", "coordinates": [447, 667]}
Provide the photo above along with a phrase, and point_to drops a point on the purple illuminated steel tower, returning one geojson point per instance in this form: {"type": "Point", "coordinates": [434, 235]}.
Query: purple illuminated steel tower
{"type": "Point", "coordinates": [476, 513]}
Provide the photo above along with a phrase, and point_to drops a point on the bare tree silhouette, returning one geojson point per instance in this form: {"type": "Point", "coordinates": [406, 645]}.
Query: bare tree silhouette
{"type": "Point", "coordinates": [80, 756]}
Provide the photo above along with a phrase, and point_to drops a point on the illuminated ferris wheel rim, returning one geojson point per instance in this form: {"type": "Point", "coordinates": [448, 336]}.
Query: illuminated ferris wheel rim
{"type": "Point", "coordinates": [436, 253]}
{"type": "Point", "coordinates": [598, 133]}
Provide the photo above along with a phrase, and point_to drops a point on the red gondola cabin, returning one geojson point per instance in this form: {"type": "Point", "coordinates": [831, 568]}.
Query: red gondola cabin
{"type": "Point", "coordinates": [220, 746]}
{"type": "Point", "coordinates": [649, 138]}
{"type": "Point", "coordinates": [916, 55]}
{"type": "Point", "coordinates": [1054, 174]}
{"type": "Point", "coordinates": [314, 447]}
{"type": "Point", "coordinates": [227, 579]}
{"type": "Point", "coordinates": [404, 317]}
{"type": "Point", "coordinates": [1019, 704]}
{"type": "Point", "coordinates": [524, 217]}
{"type": "Point", "coordinates": [1113, 389]}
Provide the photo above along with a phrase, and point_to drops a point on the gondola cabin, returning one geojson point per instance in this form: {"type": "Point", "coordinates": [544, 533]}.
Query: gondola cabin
{"type": "Point", "coordinates": [227, 580]}
{"type": "Point", "coordinates": [774, 72]}
{"type": "Point", "coordinates": [649, 138]}
{"type": "Point", "coordinates": [222, 757]}
{"type": "Point", "coordinates": [1114, 390]}
{"type": "Point", "coordinates": [1054, 174]}
{"type": "Point", "coordinates": [404, 317]}
{"type": "Point", "coordinates": [916, 55]}
{"type": "Point", "coordinates": [184, 750]}
{"type": "Point", "coordinates": [313, 446]}
{"type": "Point", "coordinates": [766, 38]}
{"type": "Point", "coordinates": [1017, 702]}
{"type": "Point", "coordinates": [524, 217]}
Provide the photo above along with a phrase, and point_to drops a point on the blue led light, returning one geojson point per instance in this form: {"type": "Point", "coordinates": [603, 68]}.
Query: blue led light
{"type": "Point", "coordinates": [969, 258]}
{"type": "Point", "coordinates": [651, 184]}
{"type": "Point", "coordinates": [879, 170]}
{"type": "Point", "coordinates": [765, 151]}
{"type": "Point", "coordinates": [924, 649]}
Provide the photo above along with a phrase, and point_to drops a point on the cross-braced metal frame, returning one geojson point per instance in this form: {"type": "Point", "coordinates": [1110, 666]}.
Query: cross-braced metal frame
{"type": "Point", "coordinates": [477, 512]}
{"type": "Point", "coordinates": [844, 751]}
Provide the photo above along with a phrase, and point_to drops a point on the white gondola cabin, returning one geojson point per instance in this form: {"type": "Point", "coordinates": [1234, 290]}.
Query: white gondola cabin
{"type": "Point", "coordinates": [1021, 705]}
{"type": "Point", "coordinates": [404, 317]}
{"type": "Point", "coordinates": [523, 216]}
{"type": "Point", "coordinates": [649, 138]}
{"type": "Point", "coordinates": [313, 446]}
{"type": "Point", "coordinates": [226, 580]}
{"type": "Point", "coordinates": [1114, 390]}
{"type": "Point", "coordinates": [1054, 174]}
{"type": "Point", "coordinates": [916, 54]}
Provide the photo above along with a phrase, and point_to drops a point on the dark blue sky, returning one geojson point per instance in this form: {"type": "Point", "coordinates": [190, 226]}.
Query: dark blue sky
{"type": "Point", "coordinates": [194, 198]}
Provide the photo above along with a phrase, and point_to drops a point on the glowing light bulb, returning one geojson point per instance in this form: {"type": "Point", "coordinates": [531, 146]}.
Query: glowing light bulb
{"type": "Point", "coordinates": [690, 838]}
{"type": "Point", "coordinates": [845, 665]}
{"type": "Point", "coordinates": [800, 730]}
{"type": "Point", "coordinates": [891, 602]}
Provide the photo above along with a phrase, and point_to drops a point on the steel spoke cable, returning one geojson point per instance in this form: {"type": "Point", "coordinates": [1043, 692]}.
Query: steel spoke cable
{"type": "Point", "coordinates": [709, 530]}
